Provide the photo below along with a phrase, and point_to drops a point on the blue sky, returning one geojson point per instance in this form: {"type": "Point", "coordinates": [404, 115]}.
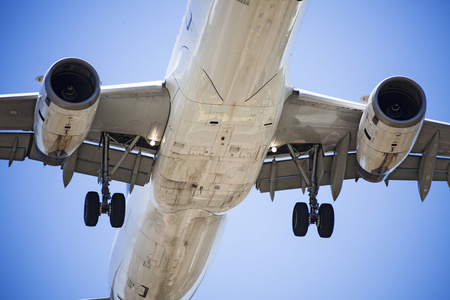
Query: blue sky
{"type": "Point", "coordinates": [386, 243]}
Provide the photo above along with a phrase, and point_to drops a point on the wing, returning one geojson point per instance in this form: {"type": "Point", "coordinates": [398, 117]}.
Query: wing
{"type": "Point", "coordinates": [311, 120]}
{"type": "Point", "coordinates": [132, 115]}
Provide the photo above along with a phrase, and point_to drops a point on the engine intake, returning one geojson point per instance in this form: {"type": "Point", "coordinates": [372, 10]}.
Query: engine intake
{"type": "Point", "coordinates": [72, 83]}
{"type": "Point", "coordinates": [65, 109]}
{"type": "Point", "coordinates": [399, 102]}
{"type": "Point", "coordinates": [389, 126]}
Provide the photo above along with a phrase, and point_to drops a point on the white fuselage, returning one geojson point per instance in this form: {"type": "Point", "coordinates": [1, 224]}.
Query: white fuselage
{"type": "Point", "coordinates": [227, 82]}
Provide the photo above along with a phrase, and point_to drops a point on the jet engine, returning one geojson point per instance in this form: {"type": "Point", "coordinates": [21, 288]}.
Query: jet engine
{"type": "Point", "coordinates": [389, 127]}
{"type": "Point", "coordinates": [65, 109]}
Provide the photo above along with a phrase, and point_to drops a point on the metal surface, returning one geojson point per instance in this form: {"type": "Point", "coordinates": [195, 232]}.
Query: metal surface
{"type": "Point", "coordinates": [427, 166]}
{"type": "Point", "coordinates": [288, 176]}
{"type": "Point", "coordinates": [161, 255]}
{"type": "Point", "coordinates": [134, 109]}
{"type": "Point", "coordinates": [338, 166]}
{"type": "Point", "coordinates": [65, 109]}
{"type": "Point", "coordinates": [16, 111]}
{"type": "Point", "coordinates": [225, 95]}
{"type": "Point", "coordinates": [86, 160]}
{"type": "Point", "coordinates": [383, 142]}
{"type": "Point", "coordinates": [224, 111]}
{"type": "Point", "coordinates": [307, 118]}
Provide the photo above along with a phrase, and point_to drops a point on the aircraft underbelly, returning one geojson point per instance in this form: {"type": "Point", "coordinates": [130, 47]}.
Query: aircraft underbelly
{"type": "Point", "coordinates": [226, 103]}
{"type": "Point", "coordinates": [161, 255]}
{"type": "Point", "coordinates": [213, 150]}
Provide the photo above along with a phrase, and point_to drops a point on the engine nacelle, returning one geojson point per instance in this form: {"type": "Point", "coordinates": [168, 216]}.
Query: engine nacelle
{"type": "Point", "coordinates": [65, 109]}
{"type": "Point", "coordinates": [389, 127]}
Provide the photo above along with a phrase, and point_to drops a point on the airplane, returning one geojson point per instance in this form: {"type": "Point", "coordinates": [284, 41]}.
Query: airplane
{"type": "Point", "coordinates": [347, 198]}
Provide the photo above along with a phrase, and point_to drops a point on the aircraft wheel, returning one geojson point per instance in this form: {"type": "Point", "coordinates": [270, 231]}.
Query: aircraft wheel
{"type": "Point", "coordinates": [300, 219]}
{"type": "Point", "coordinates": [117, 216]}
{"type": "Point", "coordinates": [91, 209]}
{"type": "Point", "coordinates": [326, 224]}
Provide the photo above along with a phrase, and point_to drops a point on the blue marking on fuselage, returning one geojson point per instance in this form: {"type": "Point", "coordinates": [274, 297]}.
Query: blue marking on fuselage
{"type": "Point", "coordinates": [188, 24]}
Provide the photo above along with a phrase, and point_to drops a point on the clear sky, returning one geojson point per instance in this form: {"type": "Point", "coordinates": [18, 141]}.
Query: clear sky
{"type": "Point", "coordinates": [386, 243]}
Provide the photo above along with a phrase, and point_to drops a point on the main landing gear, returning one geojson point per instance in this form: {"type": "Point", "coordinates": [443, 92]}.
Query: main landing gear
{"type": "Point", "coordinates": [93, 208]}
{"type": "Point", "coordinates": [323, 215]}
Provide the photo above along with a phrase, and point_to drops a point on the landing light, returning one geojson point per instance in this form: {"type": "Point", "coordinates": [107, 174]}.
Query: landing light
{"type": "Point", "coordinates": [152, 143]}
{"type": "Point", "coordinates": [273, 149]}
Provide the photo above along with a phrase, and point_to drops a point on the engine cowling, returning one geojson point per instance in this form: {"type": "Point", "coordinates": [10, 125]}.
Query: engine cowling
{"type": "Point", "coordinates": [389, 127]}
{"type": "Point", "coordinates": [65, 109]}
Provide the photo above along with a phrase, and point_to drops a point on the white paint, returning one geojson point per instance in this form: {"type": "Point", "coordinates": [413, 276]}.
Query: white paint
{"type": "Point", "coordinates": [227, 82]}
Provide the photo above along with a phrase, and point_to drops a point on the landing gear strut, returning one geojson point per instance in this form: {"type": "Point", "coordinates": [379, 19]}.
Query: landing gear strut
{"type": "Point", "coordinates": [92, 206]}
{"type": "Point", "coordinates": [323, 215]}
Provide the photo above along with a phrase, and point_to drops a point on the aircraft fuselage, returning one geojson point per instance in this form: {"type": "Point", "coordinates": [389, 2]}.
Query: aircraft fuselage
{"type": "Point", "coordinates": [227, 79]}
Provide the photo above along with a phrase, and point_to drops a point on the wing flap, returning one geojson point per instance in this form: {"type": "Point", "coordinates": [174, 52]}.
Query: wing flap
{"type": "Point", "coordinates": [135, 168]}
{"type": "Point", "coordinates": [409, 169]}
{"type": "Point", "coordinates": [15, 146]}
{"type": "Point", "coordinates": [287, 176]}
{"type": "Point", "coordinates": [89, 159]}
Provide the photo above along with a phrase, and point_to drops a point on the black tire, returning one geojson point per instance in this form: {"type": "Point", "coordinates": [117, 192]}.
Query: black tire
{"type": "Point", "coordinates": [326, 224]}
{"type": "Point", "coordinates": [91, 209]}
{"type": "Point", "coordinates": [300, 219]}
{"type": "Point", "coordinates": [117, 216]}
